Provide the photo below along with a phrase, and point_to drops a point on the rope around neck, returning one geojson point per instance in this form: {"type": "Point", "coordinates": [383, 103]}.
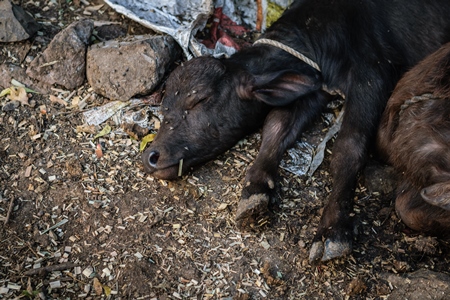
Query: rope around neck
{"type": "Point", "coordinates": [413, 100]}
{"type": "Point", "coordinates": [290, 51]}
{"type": "Point", "coordinates": [302, 57]}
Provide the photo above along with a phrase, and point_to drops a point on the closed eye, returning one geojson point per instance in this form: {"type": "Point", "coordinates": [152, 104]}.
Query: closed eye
{"type": "Point", "coordinates": [194, 101]}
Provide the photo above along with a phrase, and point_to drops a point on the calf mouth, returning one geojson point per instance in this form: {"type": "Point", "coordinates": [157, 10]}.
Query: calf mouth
{"type": "Point", "coordinates": [153, 166]}
{"type": "Point", "coordinates": [168, 173]}
{"type": "Point", "coordinates": [168, 167]}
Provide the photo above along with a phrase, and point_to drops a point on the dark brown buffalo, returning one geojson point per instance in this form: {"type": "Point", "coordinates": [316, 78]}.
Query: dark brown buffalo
{"type": "Point", "coordinates": [361, 47]}
{"type": "Point", "coordinates": [415, 137]}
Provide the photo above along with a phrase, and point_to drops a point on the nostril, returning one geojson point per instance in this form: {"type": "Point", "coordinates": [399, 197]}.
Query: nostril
{"type": "Point", "coordinates": [153, 158]}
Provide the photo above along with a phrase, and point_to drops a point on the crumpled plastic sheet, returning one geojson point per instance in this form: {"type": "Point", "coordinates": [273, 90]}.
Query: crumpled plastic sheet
{"type": "Point", "coordinates": [305, 157]}
{"type": "Point", "coordinates": [121, 112]}
{"type": "Point", "coordinates": [299, 158]}
{"type": "Point", "coordinates": [182, 19]}
{"type": "Point", "coordinates": [98, 115]}
{"type": "Point", "coordinates": [179, 18]}
{"type": "Point", "coordinates": [320, 150]}
{"type": "Point", "coordinates": [139, 117]}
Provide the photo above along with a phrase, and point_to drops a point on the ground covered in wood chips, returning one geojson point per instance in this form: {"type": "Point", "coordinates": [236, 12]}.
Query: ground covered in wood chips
{"type": "Point", "coordinates": [80, 226]}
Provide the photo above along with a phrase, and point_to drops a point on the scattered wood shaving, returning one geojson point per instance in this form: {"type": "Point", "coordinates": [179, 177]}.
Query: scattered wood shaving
{"type": "Point", "coordinates": [55, 99]}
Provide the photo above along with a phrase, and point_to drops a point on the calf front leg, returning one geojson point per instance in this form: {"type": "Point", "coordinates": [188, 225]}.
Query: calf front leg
{"type": "Point", "coordinates": [282, 127]}
{"type": "Point", "coordinates": [334, 233]}
{"type": "Point", "coordinates": [362, 113]}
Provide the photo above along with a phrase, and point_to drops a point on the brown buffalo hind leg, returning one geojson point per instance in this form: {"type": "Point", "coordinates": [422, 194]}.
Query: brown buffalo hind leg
{"type": "Point", "coordinates": [421, 216]}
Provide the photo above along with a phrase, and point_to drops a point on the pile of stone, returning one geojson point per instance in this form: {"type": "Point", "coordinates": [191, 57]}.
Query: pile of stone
{"type": "Point", "coordinates": [118, 68]}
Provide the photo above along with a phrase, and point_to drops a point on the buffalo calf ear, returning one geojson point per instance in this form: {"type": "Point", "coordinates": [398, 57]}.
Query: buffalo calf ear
{"type": "Point", "coordinates": [279, 88]}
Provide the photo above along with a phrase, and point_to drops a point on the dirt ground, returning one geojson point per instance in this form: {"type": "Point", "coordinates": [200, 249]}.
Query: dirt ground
{"type": "Point", "coordinates": [101, 228]}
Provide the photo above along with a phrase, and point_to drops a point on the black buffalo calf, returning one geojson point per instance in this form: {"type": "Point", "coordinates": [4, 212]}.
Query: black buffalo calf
{"type": "Point", "coordinates": [414, 136]}
{"type": "Point", "coordinates": [360, 48]}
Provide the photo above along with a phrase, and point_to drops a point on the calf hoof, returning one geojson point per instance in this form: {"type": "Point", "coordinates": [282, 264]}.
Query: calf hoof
{"type": "Point", "coordinates": [329, 250]}
{"type": "Point", "coordinates": [251, 210]}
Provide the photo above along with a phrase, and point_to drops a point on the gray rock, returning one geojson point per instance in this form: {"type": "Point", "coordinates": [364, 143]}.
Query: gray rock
{"type": "Point", "coordinates": [10, 106]}
{"type": "Point", "coordinates": [19, 50]}
{"type": "Point", "coordinates": [15, 24]}
{"type": "Point", "coordinates": [110, 32]}
{"type": "Point", "coordinates": [419, 285]}
{"type": "Point", "coordinates": [64, 60]}
{"type": "Point", "coordinates": [122, 68]}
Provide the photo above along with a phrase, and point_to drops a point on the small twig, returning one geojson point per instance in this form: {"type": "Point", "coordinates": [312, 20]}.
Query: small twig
{"type": "Point", "coordinates": [60, 223]}
{"type": "Point", "coordinates": [259, 15]}
{"type": "Point", "coordinates": [98, 38]}
{"type": "Point", "coordinates": [52, 268]}
{"type": "Point", "coordinates": [32, 250]}
{"type": "Point", "coordinates": [49, 63]}
{"type": "Point", "coordinates": [11, 205]}
{"type": "Point", "coordinates": [69, 113]}
{"type": "Point", "coordinates": [157, 220]}
{"type": "Point", "coordinates": [74, 277]}
{"type": "Point", "coordinates": [180, 168]}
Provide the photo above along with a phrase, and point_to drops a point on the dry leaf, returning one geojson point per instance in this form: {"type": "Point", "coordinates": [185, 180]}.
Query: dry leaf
{"type": "Point", "coordinates": [86, 128]}
{"type": "Point", "coordinates": [43, 109]}
{"type": "Point", "coordinates": [15, 86]}
{"type": "Point", "coordinates": [130, 132]}
{"type": "Point", "coordinates": [105, 131]}
{"type": "Point", "coordinates": [222, 206]}
{"type": "Point", "coordinates": [107, 290]}
{"type": "Point", "coordinates": [145, 140]}
{"type": "Point", "coordinates": [75, 101]}
{"type": "Point", "coordinates": [356, 287]}
{"type": "Point", "coordinates": [18, 94]}
{"type": "Point", "coordinates": [29, 287]}
{"type": "Point", "coordinates": [5, 92]}
{"type": "Point", "coordinates": [157, 123]}
{"type": "Point", "coordinates": [99, 151]}
{"type": "Point", "coordinates": [94, 8]}
{"type": "Point", "coordinates": [98, 287]}
{"type": "Point", "coordinates": [55, 99]}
